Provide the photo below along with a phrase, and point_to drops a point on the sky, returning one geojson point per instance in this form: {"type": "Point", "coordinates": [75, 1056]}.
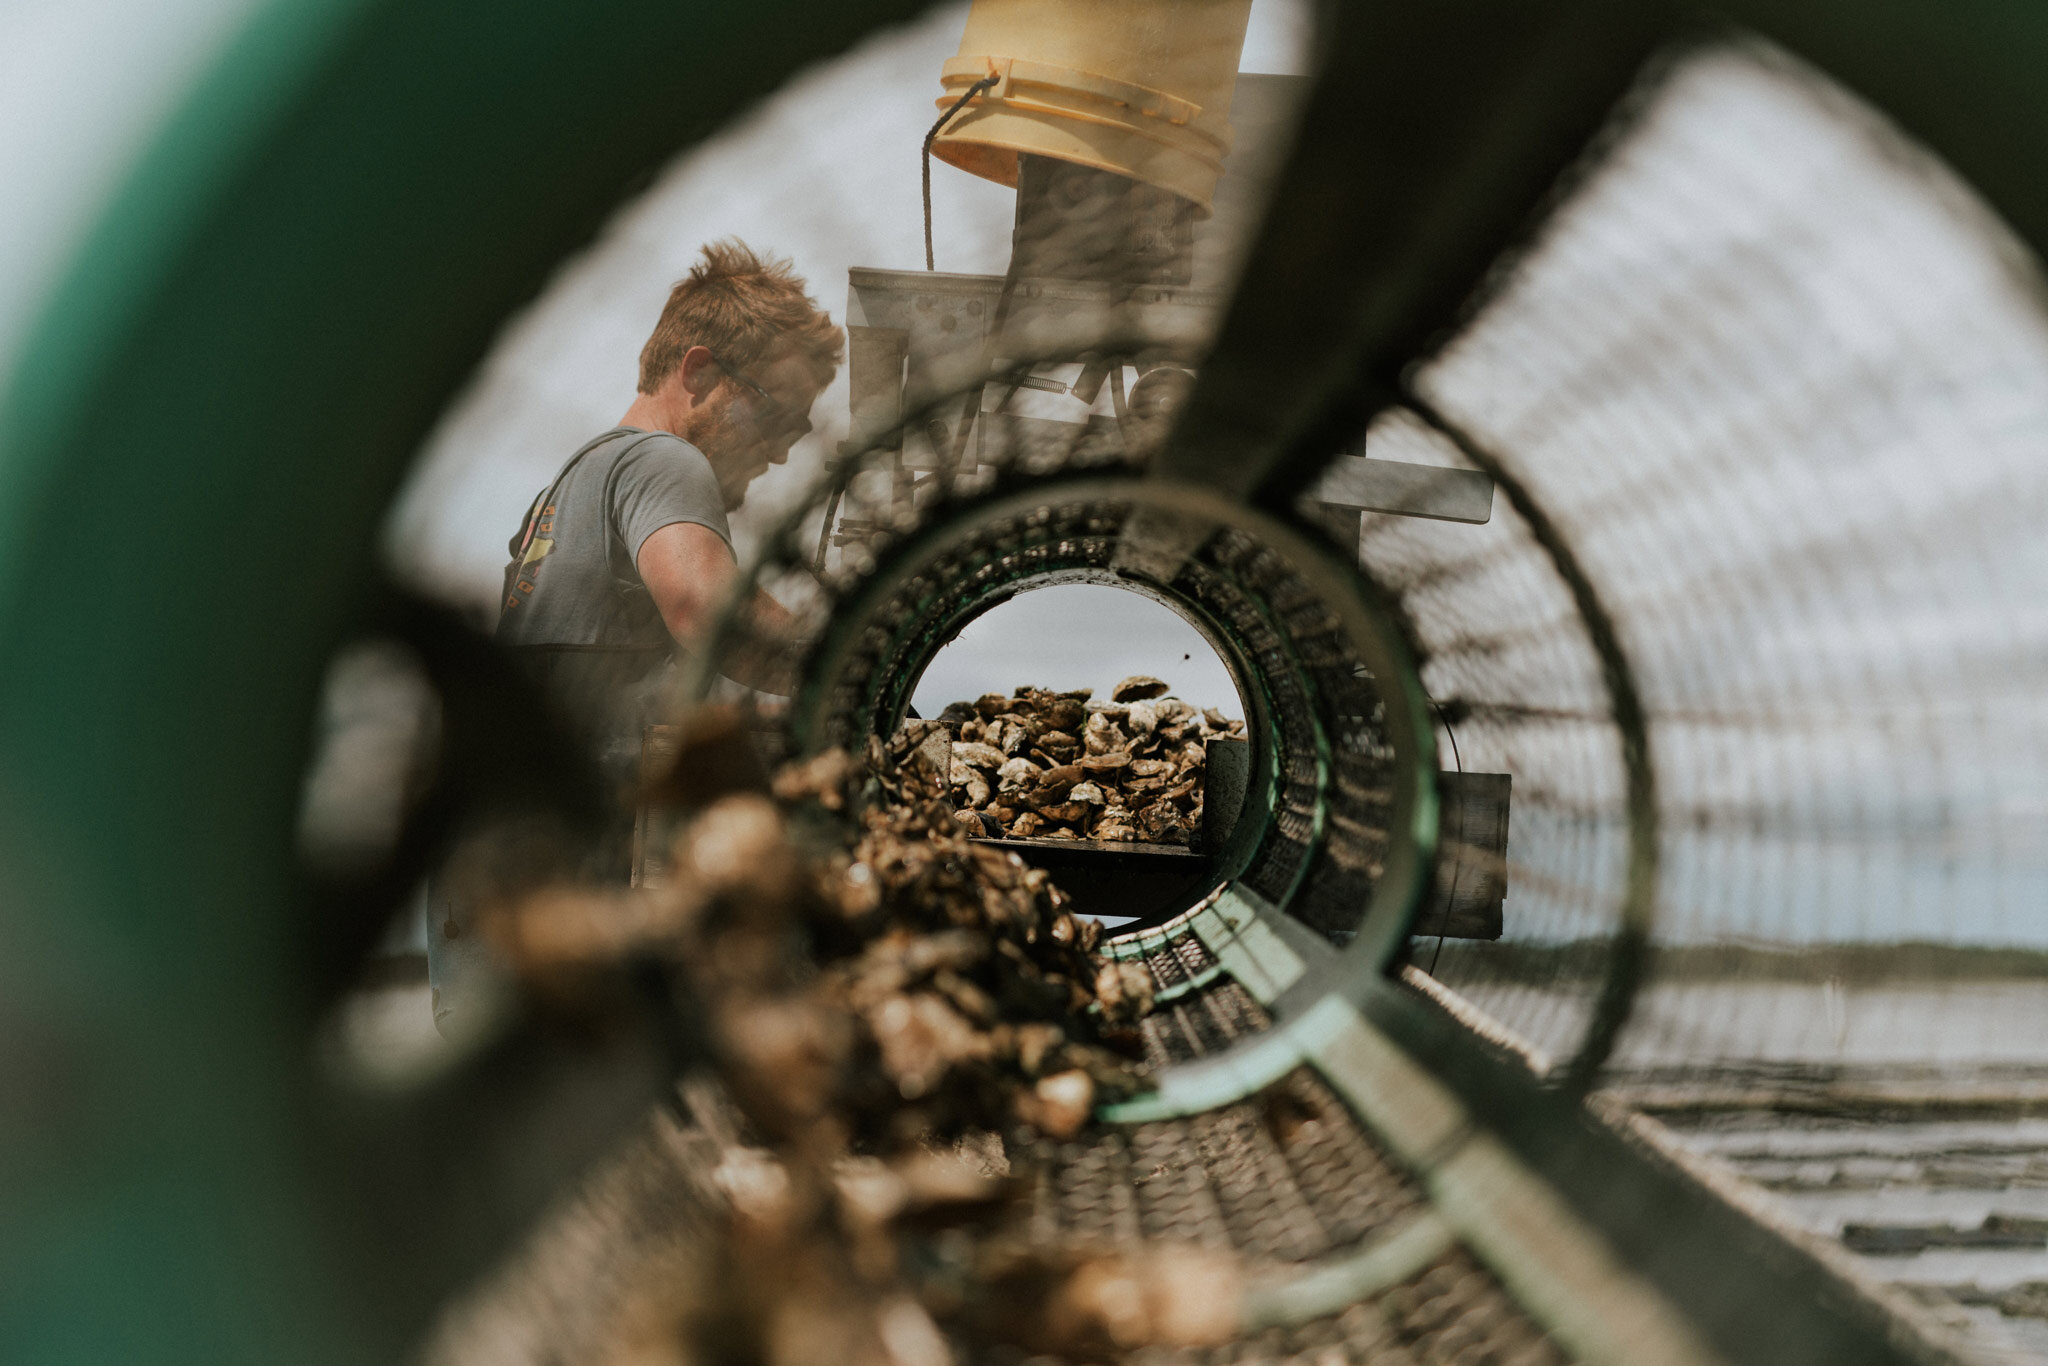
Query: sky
{"type": "Point", "coordinates": [1076, 636]}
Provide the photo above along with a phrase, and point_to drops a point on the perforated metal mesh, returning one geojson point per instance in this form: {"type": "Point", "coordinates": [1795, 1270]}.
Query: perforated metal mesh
{"type": "Point", "coordinates": [929, 551]}
{"type": "Point", "coordinates": [1178, 963]}
{"type": "Point", "coordinates": [1281, 1180]}
{"type": "Point", "coordinates": [1452, 1313]}
{"type": "Point", "coordinates": [1285, 1179]}
{"type": "Point", "coordinates": [1782, 386]}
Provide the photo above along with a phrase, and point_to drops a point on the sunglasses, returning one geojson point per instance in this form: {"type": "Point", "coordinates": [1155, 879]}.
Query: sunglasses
{"type": "Point", "coordinates": [775, 416]}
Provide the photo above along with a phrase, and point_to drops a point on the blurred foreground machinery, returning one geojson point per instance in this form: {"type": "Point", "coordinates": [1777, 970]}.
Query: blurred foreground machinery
{"type": "Point", "coordinates": [1696, 349]}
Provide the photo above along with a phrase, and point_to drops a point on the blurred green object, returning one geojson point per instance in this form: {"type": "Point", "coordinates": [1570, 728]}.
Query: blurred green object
{"type": "Point", "coordinates": [197, 448]}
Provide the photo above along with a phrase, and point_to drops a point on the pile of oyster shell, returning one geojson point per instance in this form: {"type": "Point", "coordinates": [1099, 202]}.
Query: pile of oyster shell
{"type": "Point", "coordinates": [894, 1014]}
{"type": "Point", "coordinates": [1059, 765]}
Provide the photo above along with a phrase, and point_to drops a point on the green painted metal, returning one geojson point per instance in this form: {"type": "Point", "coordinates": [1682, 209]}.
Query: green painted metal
{"type": "Point", "coordinates": [1169, 995]}
{"type": "Point", "coordinates": [1336, 1283]}
{"type": "Point", "coordinates": [1248, 947]}
{"type": "Point", "coordinates": [818, 714]}
{"type": "Point", "coordinates": [196, 449]}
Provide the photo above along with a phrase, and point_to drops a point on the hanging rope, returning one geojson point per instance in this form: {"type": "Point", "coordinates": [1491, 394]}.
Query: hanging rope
{"type": "Point", "coordinates": [929, 138]}
{"type": "Point", "coordinates": [1450, 897]}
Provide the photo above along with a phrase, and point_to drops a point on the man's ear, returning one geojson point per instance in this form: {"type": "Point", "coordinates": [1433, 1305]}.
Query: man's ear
{"type": "Point", "coordinates": [698, 373]}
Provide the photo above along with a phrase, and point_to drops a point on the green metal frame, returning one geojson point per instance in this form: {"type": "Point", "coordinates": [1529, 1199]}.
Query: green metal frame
{"type": "Point", "coordinates": [1371, 630]}
{"type": "Point", "coordinates": [197, 447]}
{"type": "Point", "coordinates": [1581, 1223]}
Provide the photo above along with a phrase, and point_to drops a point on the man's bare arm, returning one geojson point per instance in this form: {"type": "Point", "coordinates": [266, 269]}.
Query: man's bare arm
{"type": "Point", "coordinates": [688, 571]}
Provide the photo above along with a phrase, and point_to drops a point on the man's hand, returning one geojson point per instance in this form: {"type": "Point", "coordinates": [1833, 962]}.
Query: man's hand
{"type": "Point", "coordinates": [688, 571]}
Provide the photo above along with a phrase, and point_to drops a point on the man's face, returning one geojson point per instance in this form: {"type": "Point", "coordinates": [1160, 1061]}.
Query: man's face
{"type": "Point", "coordinates": [752, 419]}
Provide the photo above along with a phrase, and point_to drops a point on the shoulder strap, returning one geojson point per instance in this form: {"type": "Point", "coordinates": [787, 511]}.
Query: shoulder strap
{"type": "Point", "coordinates": [543, 506]}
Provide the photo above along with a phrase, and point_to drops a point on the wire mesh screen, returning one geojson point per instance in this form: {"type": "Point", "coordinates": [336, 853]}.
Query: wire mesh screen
{"type": "Point", "coordinates": [1755, 628]}
{"type": "Point", "coordinates": [917, 556]}
{"type": "Point", "coordinates": [1782, 385]}
{"type": "Point", "coordinates": [1519, 690]}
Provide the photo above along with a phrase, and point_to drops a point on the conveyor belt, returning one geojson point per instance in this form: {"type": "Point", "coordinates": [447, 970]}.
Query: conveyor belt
{"type": "Point", "coordinates": [1178, 965]}
{"type": "Point", "coordinates": [1284, 1179]}
{"type": "Point", "coordinates": [1451, 1313]}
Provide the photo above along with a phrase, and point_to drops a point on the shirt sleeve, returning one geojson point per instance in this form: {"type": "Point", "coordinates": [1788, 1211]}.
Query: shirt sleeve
{"type": "Point", "coordinates": [663, 480]}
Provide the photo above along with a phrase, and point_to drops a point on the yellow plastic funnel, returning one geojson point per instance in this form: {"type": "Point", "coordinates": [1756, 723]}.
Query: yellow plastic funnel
{"type": "Point", "coordinates": [1139, 87]}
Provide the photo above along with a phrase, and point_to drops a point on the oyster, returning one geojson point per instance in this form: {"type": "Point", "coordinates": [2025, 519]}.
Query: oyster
{"type": "Point", "coordinates": [1060, 745]}
{"type": "Point", "coordinates": [1137, 688]}
{"type": "Point", "coordinates": [1105, 739]}
{"type": "Point", "coordinates": [1018, 774]}
{"type": "Point", "coordinates": [978, 754]}
{"type": "Point", "coordinates": [971, 783]}
{"type": "Point", "coordinates": [1043, 764]}
{"type": "Point", "coordinates": [945, 1000]}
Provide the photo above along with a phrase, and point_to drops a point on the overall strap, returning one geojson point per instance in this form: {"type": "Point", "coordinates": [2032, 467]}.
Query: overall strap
{"type": "Point", "coordinates": [516, 582]}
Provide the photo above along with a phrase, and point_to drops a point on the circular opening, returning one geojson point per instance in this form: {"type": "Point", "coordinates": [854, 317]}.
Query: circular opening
{"type": "Point", "coordinates": [1339, 803]}
{"type": "Point", "coordinates": [1100, 735]}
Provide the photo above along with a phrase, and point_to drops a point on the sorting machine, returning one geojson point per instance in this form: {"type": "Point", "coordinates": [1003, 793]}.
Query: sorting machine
{"type": "Point", "coordinates": [187, 1186]}
{"type": "Point", "coordinates": [1135, 192]}
{"type": "Point", "coordinates": [1040, 428]}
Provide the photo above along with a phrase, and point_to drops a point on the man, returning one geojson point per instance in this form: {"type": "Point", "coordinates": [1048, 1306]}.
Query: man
{"type": "Point", "coordinates": [628, 553]}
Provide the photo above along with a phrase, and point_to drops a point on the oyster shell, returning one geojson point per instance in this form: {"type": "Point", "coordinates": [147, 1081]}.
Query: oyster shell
{"type": "Point", "coordinates": [1044, 764]}
{"type": "Point", "coordinates": [970, 784]}
{"type": "Point", "coordinates": [882, 998]}
{"type": "Point", "coordinates": [977, 754]}
{"type": "Point", "coordinates": [1017, 774]}
{"type": "Point", "coordinates": [1137, 688]}
{"type": "Point", "coordinates": [1105, 739]}
{"type": "Point", "coordinates": [1059, 744]}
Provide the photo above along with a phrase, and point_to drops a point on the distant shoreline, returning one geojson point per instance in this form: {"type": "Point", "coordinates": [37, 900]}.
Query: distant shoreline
{"type": "Point", "coordinates": [1852, 965]}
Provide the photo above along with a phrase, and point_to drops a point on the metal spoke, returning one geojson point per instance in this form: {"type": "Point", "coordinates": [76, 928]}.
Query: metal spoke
{"type": "Point", "coordinates": [1430, 140]}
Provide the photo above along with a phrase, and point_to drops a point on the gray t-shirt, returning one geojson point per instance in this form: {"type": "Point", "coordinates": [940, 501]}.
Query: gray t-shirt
{"type": "Point", "coordinates": [575, 607]}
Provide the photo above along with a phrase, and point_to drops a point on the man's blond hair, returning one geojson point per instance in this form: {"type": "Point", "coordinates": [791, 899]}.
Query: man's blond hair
{"type": "Point", "coordinates": [742, 307]}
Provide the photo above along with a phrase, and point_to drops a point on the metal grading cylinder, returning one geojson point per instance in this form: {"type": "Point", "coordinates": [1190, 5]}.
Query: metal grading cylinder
{"type": "Point", "coordinates": [1138, 87]}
